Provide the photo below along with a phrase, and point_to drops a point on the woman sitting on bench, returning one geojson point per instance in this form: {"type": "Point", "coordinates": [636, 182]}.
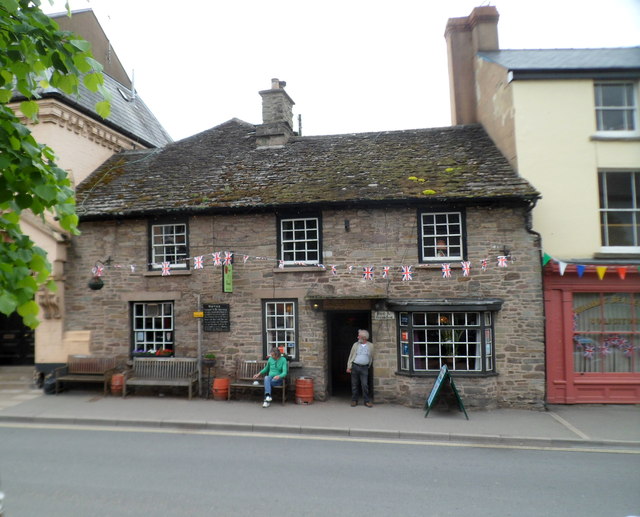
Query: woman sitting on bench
{"type": "Point", "coordinates": [274, 374]}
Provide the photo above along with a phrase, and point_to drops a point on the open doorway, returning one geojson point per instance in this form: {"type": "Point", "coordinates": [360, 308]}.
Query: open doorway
{"type": "Point", "coordinates": [343, 333]}
{"type": "Point", "coordinates": [17, 341]}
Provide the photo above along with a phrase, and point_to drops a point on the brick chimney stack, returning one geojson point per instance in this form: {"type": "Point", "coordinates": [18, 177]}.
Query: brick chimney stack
{"type": "Point", "coordinates": [465, 38]}
{"type": "Point", "coordinates": [277, 116]}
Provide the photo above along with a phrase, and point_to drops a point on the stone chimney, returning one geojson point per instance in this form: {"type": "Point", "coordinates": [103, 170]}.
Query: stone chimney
{"type": "Point", "coordinates": [277, 116]}
{"type": "Point", "coordinates": [465, 38]}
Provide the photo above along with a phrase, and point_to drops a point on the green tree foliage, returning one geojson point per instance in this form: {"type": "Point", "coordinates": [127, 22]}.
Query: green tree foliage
{"type": "Point", "coordinates": [34, 54]}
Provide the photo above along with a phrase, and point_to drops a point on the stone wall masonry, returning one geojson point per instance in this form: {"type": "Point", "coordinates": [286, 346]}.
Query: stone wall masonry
{"type": "Point", "coordinates": [376, 237]}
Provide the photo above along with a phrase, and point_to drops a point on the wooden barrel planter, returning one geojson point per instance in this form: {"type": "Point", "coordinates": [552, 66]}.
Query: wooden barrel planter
{"type": "Point", "coordinates": [304, 390]}
{"type": "Point", "coordinates": [117, 381]}
{"type": "Point", "coordinates": [220, 388]}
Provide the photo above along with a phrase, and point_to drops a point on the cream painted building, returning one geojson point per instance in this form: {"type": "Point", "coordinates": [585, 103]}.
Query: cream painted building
{"type": "Point", "coordinates": [567, 120]}
{"type": "Point", "coordinates": [82, 141]}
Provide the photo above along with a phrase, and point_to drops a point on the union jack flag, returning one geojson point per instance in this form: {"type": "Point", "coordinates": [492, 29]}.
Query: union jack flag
{"type": "Point", "coordinates": [446, 270]}
{"type": "Point", "coordinates": [216, 258]}
{"type": "Point", "coordinates": [197, 262]}
{"type": "Point", "coordinates": [166, 269]}
{"type": "Point", "coordinates": [367, 272]}
{"type": "Point", "coordinates": [228, 258]}
{"type": "Point", "coordinates": [245, 258]}
{"type": "Point", "coordinates": [385, 271]}
{"type": "Point", "coordinates": [407, 273]}
{"type": "Point", "coordinates": [502, 261]}
{"type": "Point", "coordinates": [466, 268]}
{"type": "Point", "coordinates": [97, 270]}
{"type": "Point", "coordinates": [483, 265]}
{"type": "Point", "coordinates": [334, 270]}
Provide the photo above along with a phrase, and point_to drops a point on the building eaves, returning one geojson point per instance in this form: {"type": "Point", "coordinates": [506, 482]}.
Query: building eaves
{"type": "Point", "coordinates": [604, 63]}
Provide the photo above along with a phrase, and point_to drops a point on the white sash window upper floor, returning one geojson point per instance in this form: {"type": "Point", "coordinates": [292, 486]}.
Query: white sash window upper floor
{"type": "Point", "coordinates": [616, 104]}
{"type": "Point", "coordinates": [620, 211]}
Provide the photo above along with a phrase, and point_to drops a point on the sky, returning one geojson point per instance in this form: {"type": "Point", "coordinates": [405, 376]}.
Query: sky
{"type": "Point", "coordinates": [350, 66]}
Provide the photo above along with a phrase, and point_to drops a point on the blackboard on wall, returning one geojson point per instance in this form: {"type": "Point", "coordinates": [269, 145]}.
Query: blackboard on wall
{"type": "Point", "coordinates": [216, 317]}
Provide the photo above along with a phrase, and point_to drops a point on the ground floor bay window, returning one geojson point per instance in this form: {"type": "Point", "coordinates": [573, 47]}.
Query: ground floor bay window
{"type": "Point", "coordinates": [461, 339]}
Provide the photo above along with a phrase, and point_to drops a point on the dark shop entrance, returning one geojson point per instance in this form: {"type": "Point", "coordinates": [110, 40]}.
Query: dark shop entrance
{"type": "Point", "coordinates": [343, 333]}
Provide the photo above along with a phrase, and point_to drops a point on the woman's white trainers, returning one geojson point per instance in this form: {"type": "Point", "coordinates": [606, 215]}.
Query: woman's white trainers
{"type": "Point", "coordinates": [268, 398]}
{"type": "Point", "coordinates": [266, 403]}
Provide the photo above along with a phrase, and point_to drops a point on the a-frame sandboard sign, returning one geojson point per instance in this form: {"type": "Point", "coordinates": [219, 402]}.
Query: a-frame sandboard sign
{"type": "Point", "coordinates": [443, 377]}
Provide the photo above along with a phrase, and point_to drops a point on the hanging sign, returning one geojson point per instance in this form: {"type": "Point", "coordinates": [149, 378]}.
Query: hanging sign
{"type": "Point", "coordinates": [227, 279]}
{"type": "Point", "coordinates": [444, 378]}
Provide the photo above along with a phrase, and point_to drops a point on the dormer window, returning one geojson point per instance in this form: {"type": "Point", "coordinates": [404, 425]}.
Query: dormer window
{"type": "Point", "coordinates": [616, 106]}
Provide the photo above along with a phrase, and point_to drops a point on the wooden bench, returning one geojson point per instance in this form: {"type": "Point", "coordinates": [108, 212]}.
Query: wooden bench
{"type": "Point", "coordinates": [167, 371]}
{"type": "Point", "coordinates": [86, 368]}
{"type": "Point", "coordinates": [243, 378]}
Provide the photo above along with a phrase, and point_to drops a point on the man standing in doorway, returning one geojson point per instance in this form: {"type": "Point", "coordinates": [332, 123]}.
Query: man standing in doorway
{"type": "Point", "coordinates": [360, 360]}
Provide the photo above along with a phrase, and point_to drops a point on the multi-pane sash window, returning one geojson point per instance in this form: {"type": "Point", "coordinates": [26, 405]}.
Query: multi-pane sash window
{"type": "Point", "coordinates": [461, 340]}
{"type": "Point", "coordinates": [441, 236]}
{"type": "Point", "coordinates": [606, 334]}
{"type": "Point", "coordinates": [169, 244]}
{"type": "Point", "coordinates": [300, 240]}
{"type": "Point", "coordinates": [616, 108]}
{"type": "Point", "coordinates": [620, 208]}
{"type": "Point", "coordinates": [280, 326]}
{"type": "Point", "coordinates": [153, 326]}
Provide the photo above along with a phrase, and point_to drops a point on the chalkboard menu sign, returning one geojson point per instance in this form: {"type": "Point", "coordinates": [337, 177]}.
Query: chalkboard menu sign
{"type": "Point", "coordinates": [443, 379]}
{"type": "Point", "coordinates": [216, 317]}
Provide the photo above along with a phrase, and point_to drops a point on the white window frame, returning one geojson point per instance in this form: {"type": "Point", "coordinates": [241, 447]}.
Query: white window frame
{"type": "Point", "coordinates": [169, 246]}
{"type": "Point", "coordinates": [297, 244]}
{"type": "Point", "coordinates": [429, 339]}
{"type": "Point", "coordinates": [280, 324]}
{"type": "Point", "coordinates": [634, 211]}
{"type": "Point", "coordinates": [439, 235]}
{"type": "Point", "coordinates": [153, 326]}
{"type": "Point", "coordinates": [630, 108]}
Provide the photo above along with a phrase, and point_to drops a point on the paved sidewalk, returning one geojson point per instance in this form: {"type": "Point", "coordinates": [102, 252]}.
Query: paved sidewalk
{"type": "Point", "coordinates": [611, 426]}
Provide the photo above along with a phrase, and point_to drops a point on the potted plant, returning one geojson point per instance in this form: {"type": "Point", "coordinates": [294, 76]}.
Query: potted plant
{"type": "Point", "coordinates": [164, 352]}
{"type": "Point", "coordinates": [209, 359]}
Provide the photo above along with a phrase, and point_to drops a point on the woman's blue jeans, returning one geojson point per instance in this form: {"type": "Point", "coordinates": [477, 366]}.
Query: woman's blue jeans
{"type": "Point", "coordinates": [268, 382]}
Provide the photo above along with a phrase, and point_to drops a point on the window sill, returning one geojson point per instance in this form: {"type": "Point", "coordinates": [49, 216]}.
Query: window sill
{"type": "Point", "coordinates": [299, 269]}
{"type": "Point", "coordinates": [434, 374]}
{"type": "Point", "coordinates": [454, 263]}
{"type": "Point", "coordinates": [174, 272]}
{"type": "Point", "coordinates": [604, 137]}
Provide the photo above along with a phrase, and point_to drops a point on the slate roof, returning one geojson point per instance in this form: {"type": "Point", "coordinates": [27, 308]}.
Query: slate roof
{"type": "Point", "coordinates": [221, 170]}
{"type": "Point", "coordinates": [129, 114]}
{"type": "Point", "coordinates": [541, 63]}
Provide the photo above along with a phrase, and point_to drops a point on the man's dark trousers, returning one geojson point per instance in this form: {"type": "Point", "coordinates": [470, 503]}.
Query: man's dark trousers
{"type": "Point", "coordinates": [359, 379]}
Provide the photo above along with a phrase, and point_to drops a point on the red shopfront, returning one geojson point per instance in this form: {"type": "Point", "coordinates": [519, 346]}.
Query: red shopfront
{"type": "Point", "coordinates": [592, 334]}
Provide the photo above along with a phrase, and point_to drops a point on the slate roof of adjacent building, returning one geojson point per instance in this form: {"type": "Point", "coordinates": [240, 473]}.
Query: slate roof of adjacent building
{"type": "Point", "coordinates": [543, 63]}
{"type": "Point", "coordinates": [222, 170]}
{"type": "Point", "coordinates": [129, 114]}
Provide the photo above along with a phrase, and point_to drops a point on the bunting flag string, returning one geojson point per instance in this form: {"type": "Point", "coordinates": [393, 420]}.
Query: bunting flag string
{"type": "Point", "coordinates": [581, 269]}
{"type": "Point", "coordinates": [220, 258]}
